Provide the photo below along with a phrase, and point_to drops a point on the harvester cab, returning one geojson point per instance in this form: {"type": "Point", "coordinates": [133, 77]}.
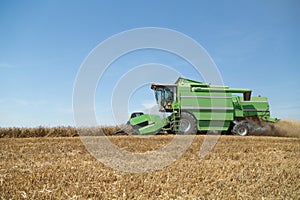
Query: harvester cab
{"type": "Point", "coordinates": [165, 96]}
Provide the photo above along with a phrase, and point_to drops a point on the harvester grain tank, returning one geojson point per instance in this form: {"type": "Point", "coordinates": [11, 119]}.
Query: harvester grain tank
{"type": "Point", "coordinates": [195, 106]}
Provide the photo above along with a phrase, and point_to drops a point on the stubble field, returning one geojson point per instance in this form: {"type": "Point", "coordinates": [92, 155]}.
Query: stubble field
{"type": "Point", "coordinates": [253, 167]}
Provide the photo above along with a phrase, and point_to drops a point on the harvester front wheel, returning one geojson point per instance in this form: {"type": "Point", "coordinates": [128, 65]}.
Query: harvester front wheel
{"type": "Point", "coordinates": [241, 129]}
{"type": "Point", "coordinates": [188, 124]}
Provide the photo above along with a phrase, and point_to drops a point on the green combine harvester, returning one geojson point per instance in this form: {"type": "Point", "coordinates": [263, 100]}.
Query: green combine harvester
{"type": "Point", "coordinates": [194, 106]}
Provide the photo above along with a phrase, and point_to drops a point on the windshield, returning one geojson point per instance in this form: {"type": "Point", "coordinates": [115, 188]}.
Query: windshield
{"type": "Point", "coordinates": [165, 97]}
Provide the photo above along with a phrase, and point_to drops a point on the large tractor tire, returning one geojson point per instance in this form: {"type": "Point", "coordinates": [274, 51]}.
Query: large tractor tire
{"type": "Point", "coordinates": [188, 124]}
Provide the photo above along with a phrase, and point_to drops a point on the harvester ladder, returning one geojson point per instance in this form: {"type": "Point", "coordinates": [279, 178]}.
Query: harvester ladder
{"type": "Point", "coordinates": [176, 120]}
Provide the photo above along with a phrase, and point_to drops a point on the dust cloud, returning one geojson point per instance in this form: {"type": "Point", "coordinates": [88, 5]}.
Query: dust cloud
{"type": "Point", "coordinates": [282, 128]}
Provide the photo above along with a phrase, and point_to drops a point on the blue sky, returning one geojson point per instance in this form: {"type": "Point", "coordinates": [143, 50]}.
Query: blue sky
{"type": "Point", "coordinates": [255, 44]}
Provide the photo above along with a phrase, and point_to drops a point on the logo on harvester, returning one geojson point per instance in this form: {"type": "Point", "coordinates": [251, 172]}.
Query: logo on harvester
{"type": "Point", "coordinates": [177, 99]}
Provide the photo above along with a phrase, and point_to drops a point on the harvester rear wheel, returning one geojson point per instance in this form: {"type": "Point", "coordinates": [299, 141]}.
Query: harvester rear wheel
{"type": "Point", "coordinates": [241, 129]}
{"type": "Point", "coordinates": [188, 124]}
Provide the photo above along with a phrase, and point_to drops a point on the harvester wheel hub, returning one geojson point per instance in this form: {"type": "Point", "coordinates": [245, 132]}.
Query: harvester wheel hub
{"type": "Point", "coordinates": [184, 125]}
{"type": "Point", "coordinates": [241, 129]}
{"type": "Point", "coordinates": [188, 124]}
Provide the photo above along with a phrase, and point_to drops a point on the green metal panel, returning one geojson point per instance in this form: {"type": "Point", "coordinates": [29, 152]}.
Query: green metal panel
{"type": "Point", "coordinates": [213, 125]}
{"type": "Point", "coordinates": [257, 106]}
{"type": "Point", "coordinates": [155, 123]}
{"type": "Point", "coordinates": [212, 104]}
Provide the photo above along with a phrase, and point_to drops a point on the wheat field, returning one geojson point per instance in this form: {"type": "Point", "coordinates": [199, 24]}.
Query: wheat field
{"type": "Point", "coordinates": [237, 168]}
{"type": "Point", "coordinates": [282, 128]}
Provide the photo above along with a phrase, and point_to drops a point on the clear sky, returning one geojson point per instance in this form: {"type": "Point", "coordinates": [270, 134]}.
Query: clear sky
{"type": "Point", "coordinates": [255, 44]}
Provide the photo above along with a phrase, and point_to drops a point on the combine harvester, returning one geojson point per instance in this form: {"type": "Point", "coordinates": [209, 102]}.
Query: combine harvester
{"type": "Point", "coordinates": [194, 106]}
